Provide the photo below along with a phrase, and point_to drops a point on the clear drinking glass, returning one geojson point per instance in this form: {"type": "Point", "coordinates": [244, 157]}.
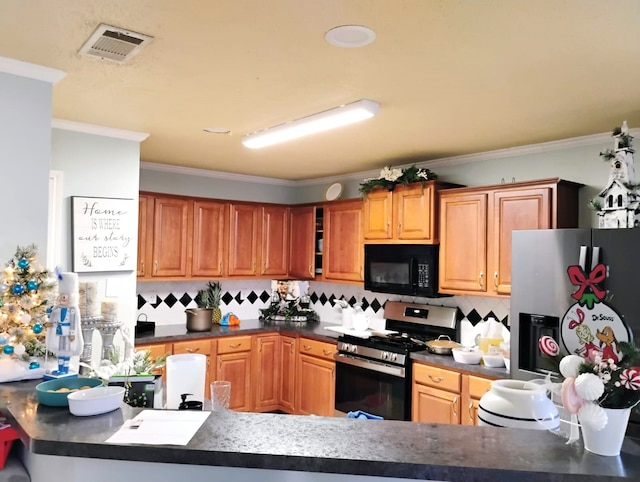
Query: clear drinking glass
{"type": "Point", "coordinates": [220, 395]}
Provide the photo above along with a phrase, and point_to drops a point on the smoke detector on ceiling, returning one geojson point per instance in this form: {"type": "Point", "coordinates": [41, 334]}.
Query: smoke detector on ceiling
{"type": "Point", "coordinates": [114, 43]}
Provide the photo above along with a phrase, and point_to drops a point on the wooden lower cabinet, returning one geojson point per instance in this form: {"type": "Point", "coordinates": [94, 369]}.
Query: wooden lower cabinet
{"type": "Point", "coordinates": [447, 396]}
{"type": "Point", "coordinates": [233, 363]}
{"type": "Point", "coordinates": [288, 356]}
{"type": "Point", "coordinates": [266, 372]}
{"type": "Point", "coordinates": [316, 376]}
{"type": "Point", "coordinates": [473, 387]}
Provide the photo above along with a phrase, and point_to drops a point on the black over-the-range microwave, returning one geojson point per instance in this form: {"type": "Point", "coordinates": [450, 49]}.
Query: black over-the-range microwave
{"type": "Point", "coordinates": [402, 269]}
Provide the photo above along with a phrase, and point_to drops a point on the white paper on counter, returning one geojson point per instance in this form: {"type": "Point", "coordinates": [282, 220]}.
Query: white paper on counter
{"type": "Point", "coordinates": [160, 427]}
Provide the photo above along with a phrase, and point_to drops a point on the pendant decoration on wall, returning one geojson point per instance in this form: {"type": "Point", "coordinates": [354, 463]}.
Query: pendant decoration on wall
{"type": "Point", "coordinates": [590, 326]}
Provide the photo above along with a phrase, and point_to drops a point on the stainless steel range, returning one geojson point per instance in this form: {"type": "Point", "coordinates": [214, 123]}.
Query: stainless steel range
{"type": "Point", "coordinates": [374, 374]}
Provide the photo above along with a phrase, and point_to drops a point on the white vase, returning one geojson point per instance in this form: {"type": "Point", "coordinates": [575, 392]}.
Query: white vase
{"type": "Point", "coordinates": [517, 404]}
{"type": "Point", "coordinates": [607, 441]}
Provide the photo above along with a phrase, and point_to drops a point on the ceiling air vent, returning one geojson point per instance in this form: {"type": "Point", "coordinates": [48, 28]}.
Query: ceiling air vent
{"type": "Point", "coordinates": [113, 43]}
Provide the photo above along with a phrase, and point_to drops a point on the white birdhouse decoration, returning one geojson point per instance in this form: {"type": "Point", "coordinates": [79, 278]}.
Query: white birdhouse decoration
{"type": "Point", "coordinates": [620, 203]}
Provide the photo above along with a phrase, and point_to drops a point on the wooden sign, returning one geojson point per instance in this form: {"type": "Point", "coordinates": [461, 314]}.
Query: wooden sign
{"type": "Point", "coordinates": [104, 234]}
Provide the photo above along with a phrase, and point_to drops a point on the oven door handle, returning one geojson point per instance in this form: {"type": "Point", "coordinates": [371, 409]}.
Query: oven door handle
{"type": "Point", "coordinates": [370, 365]}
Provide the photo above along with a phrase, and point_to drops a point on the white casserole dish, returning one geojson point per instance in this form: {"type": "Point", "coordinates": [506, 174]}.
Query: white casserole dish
{"type": "Point", "coordinates": [468, 356]}
{"type": "Point", "coordinates": [95, 401]}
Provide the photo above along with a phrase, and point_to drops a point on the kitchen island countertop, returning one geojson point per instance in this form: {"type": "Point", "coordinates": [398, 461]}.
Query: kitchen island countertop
{"type": "Point", "coordinates": [310, 444]}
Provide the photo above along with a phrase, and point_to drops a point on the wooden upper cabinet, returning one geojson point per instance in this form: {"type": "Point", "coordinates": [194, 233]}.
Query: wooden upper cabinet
{"type": "Point", "coordinates": [275, 241]}
{"type": "Point", "coordinates": [144, 202]}
{"type": "Point", "coordinates": [343, 243]}
{"type": "Point", "coordinates": [243, 239]}
{"type": "Point", "coordinates": [378, 215]}
{"type": "Point", "coordinates": [302, 223]}
{"type": "Point", "coordinates": [408, 214]}
{"type": "Point", "coordinates": [514, 209]}
{"type": "Point", "coordinates": [170, 236]}
{"type": "Point", "coordinates": [463, 238]}
{"type": "Point", "coordinates": [477, 223]}
{"type": "Point", "coordinates": [209, 238]}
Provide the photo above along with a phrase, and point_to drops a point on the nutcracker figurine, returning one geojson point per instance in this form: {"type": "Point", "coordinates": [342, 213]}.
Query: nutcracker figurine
{"type": "Point", "coordinates": [64, 336]}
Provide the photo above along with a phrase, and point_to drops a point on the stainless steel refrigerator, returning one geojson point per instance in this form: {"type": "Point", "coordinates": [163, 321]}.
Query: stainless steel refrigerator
{"type": "Point", "coordinates": [541, 289]}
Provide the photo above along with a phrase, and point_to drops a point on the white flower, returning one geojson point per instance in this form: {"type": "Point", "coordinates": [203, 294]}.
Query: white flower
{"type": "Point", "coordinates": [606, 377]}
{"type": "Point", "coordinates": [390, 174]}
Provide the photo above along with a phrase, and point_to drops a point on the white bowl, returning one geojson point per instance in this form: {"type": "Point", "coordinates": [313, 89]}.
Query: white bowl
{"type": "Point", "coordinates": [467, 355]}
{"type": "Point", "coordinates": [95, 401]}
{"type": "Point", "coordinates": [493, 361]}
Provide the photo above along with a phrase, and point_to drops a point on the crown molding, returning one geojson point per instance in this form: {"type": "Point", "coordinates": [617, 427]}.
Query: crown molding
{"type": "Point", "coordinates": [31, 71]}
{"type": "Point", "coordinates": [228, 176]}
{"type": "Point", "coordinates": [583, 141]}
{"type": "Point", "coordinates": [98, 130]}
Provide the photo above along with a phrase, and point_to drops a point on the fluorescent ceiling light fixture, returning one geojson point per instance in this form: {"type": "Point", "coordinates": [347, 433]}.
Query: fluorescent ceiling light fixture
{"type": "Point", "coordinates": [322, 121]}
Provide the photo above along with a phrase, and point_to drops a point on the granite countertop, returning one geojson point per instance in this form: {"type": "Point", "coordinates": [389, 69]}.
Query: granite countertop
{"type": "Point", "coordinates": [324, 444]}
{"type": "Point", "coordinates": [316, 330]}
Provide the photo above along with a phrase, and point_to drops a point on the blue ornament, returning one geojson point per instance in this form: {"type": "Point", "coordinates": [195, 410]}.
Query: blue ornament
{"type": "Point", "coordinates": [8, 350]}
{"type": "Point", "coordinates": [17, 289]}
{"type": "Point", "coordinates": [3, 339]}
{"type": "Point", "coordinates": [37, 328]}
{"type": "Point", "coordinates": [32, 285]}
{"type": "Point", "coordinates": [23, 263]}
{"type": "Point", "coordinates": [33, 365]}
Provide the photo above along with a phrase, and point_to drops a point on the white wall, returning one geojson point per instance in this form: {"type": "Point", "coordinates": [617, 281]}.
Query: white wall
{"type": "Point", "coordinates": [25, 139]}
{"type": "Point", "coordinates": [97, 166]}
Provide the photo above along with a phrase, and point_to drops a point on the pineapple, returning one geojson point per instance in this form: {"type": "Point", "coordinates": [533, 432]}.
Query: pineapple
{"type": "Point", "coordinates": [216, 294]}
{"type": "Point", "coordinates": [209, 299]}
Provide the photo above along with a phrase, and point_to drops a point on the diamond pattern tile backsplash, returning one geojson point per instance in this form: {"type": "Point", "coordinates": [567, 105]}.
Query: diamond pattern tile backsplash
{"type": "Point", "coordinates": [165, 303]}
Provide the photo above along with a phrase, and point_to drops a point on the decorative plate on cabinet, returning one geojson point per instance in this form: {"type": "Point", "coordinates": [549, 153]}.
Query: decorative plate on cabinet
{"type": "Point", "coordinates": [333, 192]}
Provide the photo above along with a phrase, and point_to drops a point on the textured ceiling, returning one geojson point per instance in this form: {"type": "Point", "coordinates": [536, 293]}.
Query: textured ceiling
{"type": "Point", "coordinates": [452, 77]}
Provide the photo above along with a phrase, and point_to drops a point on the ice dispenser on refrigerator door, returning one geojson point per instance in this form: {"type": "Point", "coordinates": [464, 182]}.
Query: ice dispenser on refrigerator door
{"type": "Point", "coordinates": [550, 268]}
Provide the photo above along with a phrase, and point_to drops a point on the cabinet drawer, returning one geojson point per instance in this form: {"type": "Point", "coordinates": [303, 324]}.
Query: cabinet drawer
{"type": "Point", "coordinates": [436, 377]}
{"type": "Point", "coordinates": [234, 344]}
{"type": "Point", "coordinates": [203, 347]}
{"type": "Point", "coordinates": [318, 349]}
{"type": "Point", "coordinates": [478, 386]}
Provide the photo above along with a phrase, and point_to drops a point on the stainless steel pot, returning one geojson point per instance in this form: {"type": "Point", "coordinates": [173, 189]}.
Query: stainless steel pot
{"type": "Point", "coordinates": [199, 319]}
{"type": "Point", "coordinates": [442, 345]}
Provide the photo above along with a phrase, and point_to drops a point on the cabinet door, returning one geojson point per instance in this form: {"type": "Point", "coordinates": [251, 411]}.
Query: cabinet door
{"type": "Point", "coordinates": [275, 241]}
{"type": "Point", "coordinates": [266, 373]}
{"type": "Point", "coordinates": [413, 213]}
{"type": "Point", "coordinates": [236, 368]}
{"type": "Point", "coordinates": [243, 239]}
{"type": "Point", "coordinates": [378, 215]}
{"type": "Point", "coordinates": [316, 386]}
{"type": "Point", "coordinates": [430, 405]}
{"type": "Point", "coordinates": [143, 226]}
{"type": "Point", "coordinates": [463, 243]}
{"type": "Point", "coordinates": [519, 209]}
{"type": "Point", "coordinates": [209, 235]}
{"type": "Point", "coordinates": [473, 388]}
{"type": "Point", "coordinates": [302, 242]}
{"type": "Point", "coordinates": [170, 236]}
{"type": "Point", "coordinates": [343, 245]}
{"type": "Point", "coordinates": [288, 349]}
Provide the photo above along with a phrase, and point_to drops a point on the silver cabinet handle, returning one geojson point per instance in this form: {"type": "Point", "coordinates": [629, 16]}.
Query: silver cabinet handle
{"type": "Point", "coordinates": [495, 279]}
{"type": "Point", "coordinates": [480, 279]}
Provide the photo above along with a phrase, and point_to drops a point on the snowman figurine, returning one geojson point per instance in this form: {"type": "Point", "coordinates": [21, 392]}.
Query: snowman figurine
{"type": "Point", "coordinates": [64, 336]}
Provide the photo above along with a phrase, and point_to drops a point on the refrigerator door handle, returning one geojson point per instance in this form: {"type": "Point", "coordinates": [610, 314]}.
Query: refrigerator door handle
{"type": "Point", "coordinates": [595, 256]}
{"type": "Point", "coordinates": [583, 258]}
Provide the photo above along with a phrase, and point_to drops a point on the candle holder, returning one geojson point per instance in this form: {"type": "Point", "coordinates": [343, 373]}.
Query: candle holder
{"type": "Point", "coordinates": [87, 325]}
{"type": "Point", "coordinates": [107, 331]}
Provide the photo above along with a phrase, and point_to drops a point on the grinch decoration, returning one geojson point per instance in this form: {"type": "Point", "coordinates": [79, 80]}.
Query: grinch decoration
{"type": "Point", "coordinates": [621, 206]}
{"type": "Point", "coordinates": [26, 289]}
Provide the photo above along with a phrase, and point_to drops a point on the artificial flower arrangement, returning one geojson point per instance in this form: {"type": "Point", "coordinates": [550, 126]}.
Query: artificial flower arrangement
{"type": "Point", "coordinates": [595, 381]}
{"type": "Point", "coordinates": [390, 177]}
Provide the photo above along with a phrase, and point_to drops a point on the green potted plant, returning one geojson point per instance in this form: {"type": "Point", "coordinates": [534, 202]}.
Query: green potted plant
{"type": "Point", "coordinates": [208, 310]}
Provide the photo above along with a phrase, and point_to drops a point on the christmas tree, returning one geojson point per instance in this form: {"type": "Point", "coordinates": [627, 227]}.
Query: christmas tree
{"type": "Point", "coordinates": [26, 290]}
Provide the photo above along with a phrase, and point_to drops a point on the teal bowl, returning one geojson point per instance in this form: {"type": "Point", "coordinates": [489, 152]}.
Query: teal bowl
{"type": "Point", "coordinates": [54, 392]}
